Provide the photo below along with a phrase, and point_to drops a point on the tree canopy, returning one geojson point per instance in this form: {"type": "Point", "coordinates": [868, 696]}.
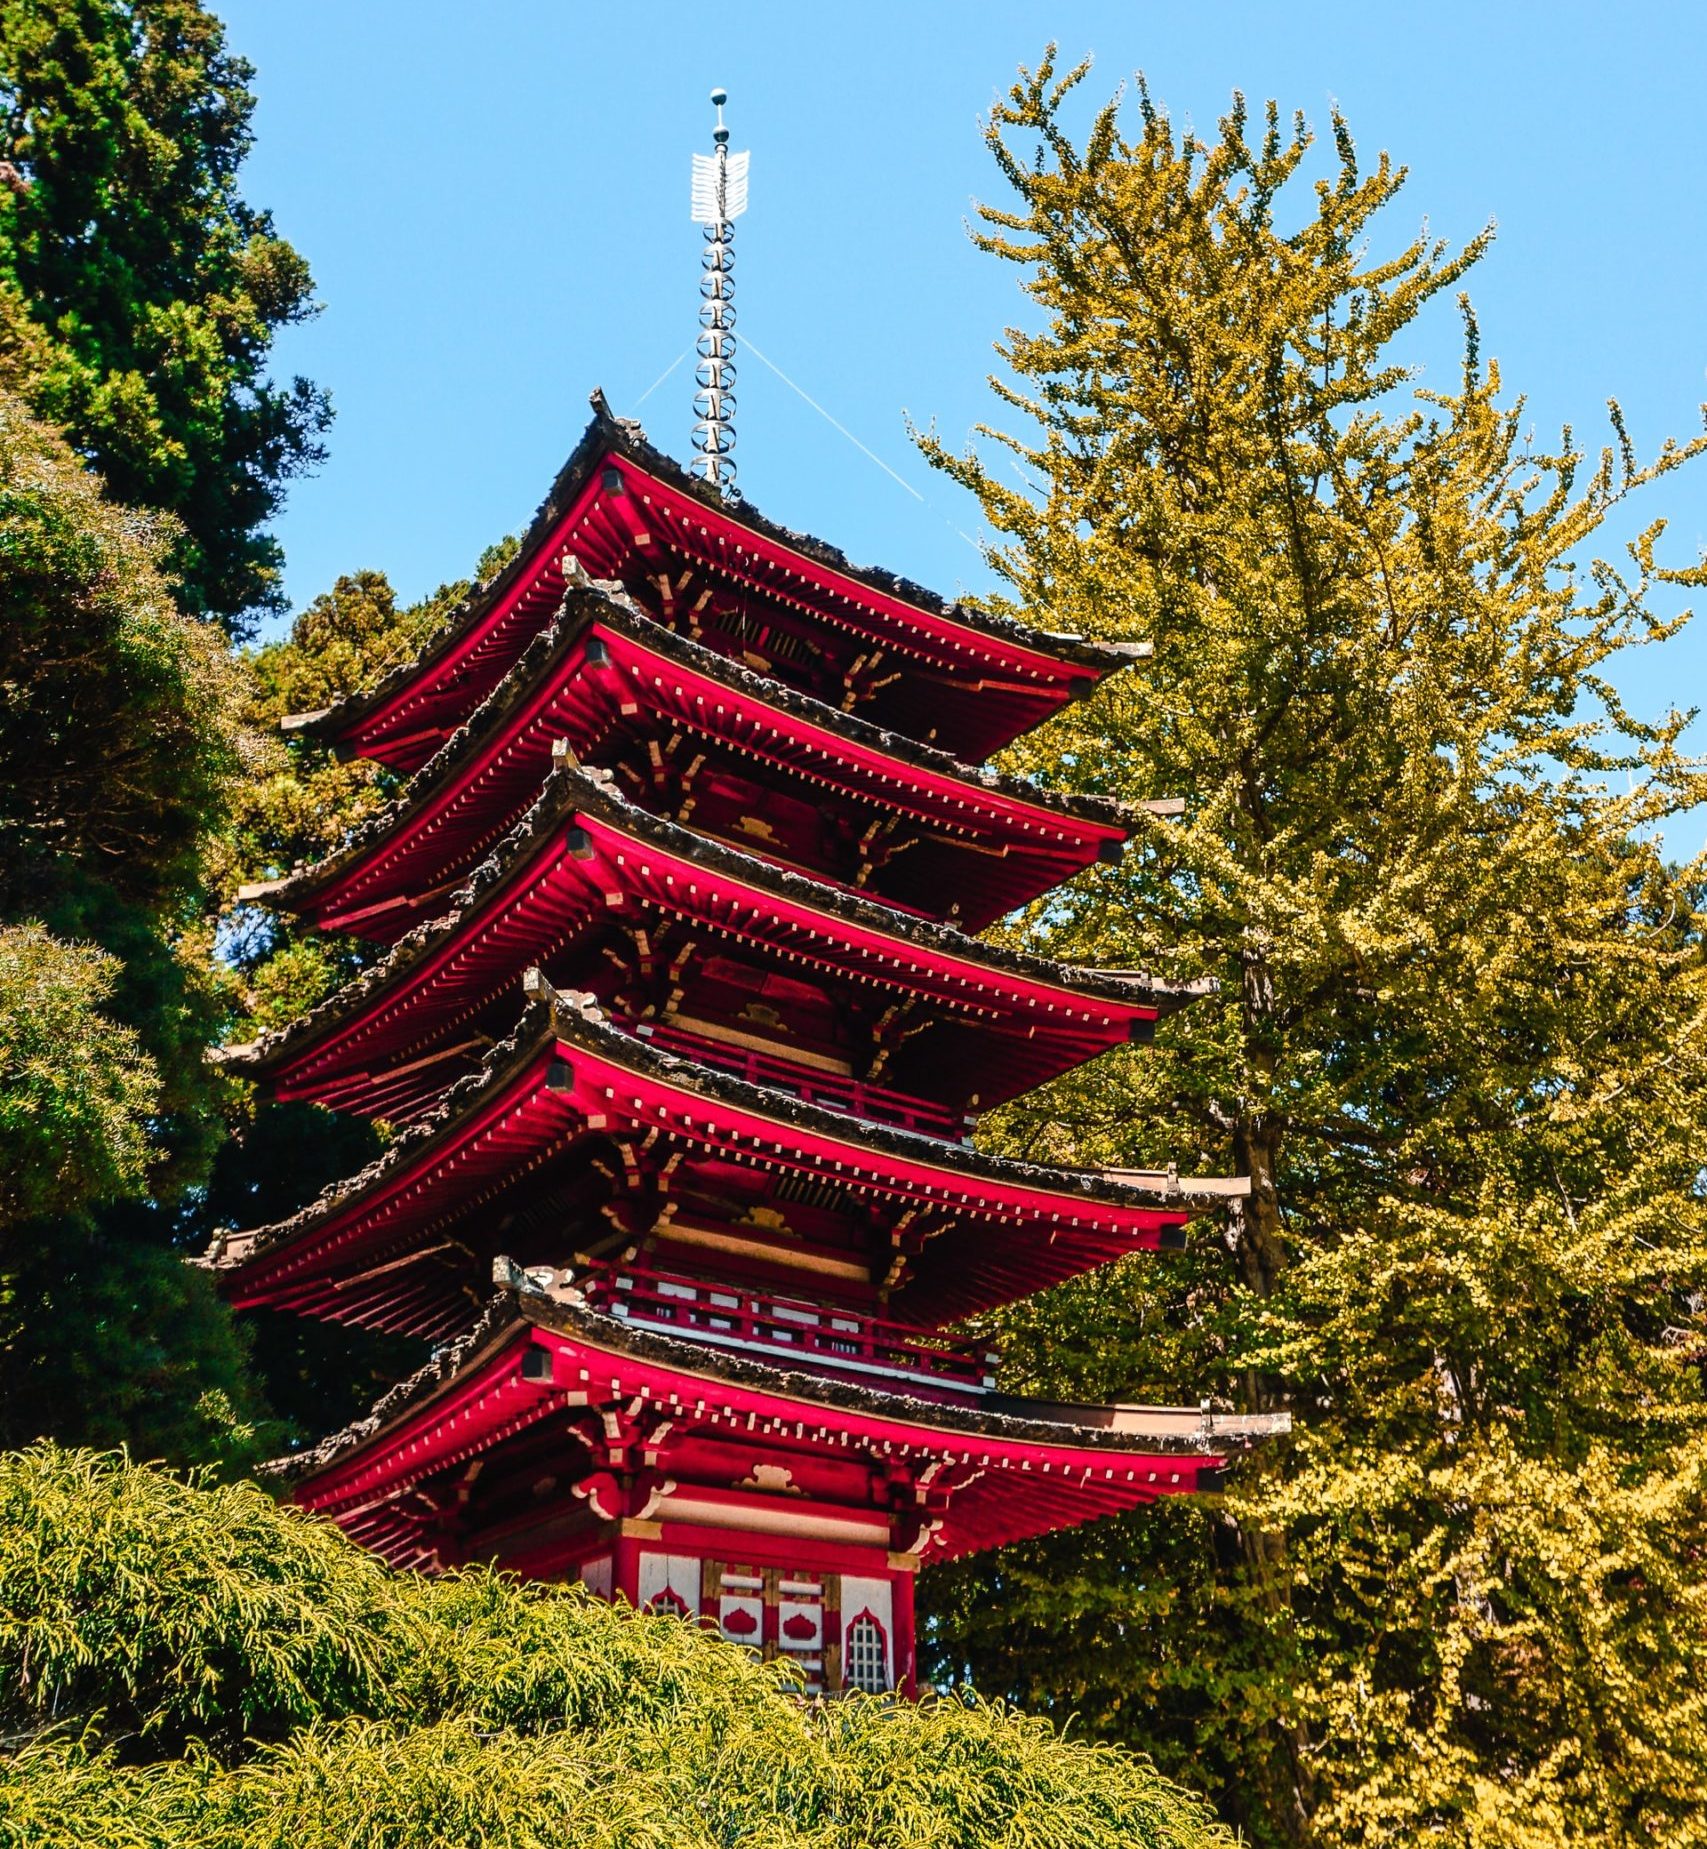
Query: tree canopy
{"type": "Point", "coordinates": [119, 744]}
{"type": "Point", "coordinates": [116, 729]}
{"type": "Point", "coordinates": [1459, 1037]}
{"type": "Point", "coordinates": [76, 1089]}
{"type": "Point", "coordinates": [139, 291]}
{"type": "Point", "coordinates": [143, 450]}
{"type": "Point", "coordinates": [118, 749]}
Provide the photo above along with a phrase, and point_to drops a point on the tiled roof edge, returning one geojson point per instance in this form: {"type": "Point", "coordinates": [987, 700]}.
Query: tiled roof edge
{"type": "Point", "coordinates": [608, 432]}
{"type": "Point", "coordinates": [519, 1305]}
{"type": "Point", "coordinates": [569, 788]}
{"type": "Point", "coordinates": [577, 1019]}
{"type": "Point", "coordinates": [584, 603]}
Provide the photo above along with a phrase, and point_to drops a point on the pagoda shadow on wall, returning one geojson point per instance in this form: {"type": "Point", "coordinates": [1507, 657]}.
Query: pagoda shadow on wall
{"type": "Point", "coordinates": [683, 1032]}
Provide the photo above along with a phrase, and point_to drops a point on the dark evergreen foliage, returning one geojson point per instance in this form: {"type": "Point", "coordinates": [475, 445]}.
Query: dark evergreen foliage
{"type": "Point", "coordinates": [148, 289]}
{"type": "Point", "coordinates": [117, 748]}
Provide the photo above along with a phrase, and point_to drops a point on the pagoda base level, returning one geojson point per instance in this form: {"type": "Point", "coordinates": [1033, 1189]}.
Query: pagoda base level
{"type": "Point", "coordinates": [790, 1512]}
{"type": "Point", "coordinates": [841, 1616]}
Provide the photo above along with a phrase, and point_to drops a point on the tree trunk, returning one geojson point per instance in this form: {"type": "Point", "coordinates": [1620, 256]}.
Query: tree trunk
{"type": "Point", "coordinates": [1257, 1235]}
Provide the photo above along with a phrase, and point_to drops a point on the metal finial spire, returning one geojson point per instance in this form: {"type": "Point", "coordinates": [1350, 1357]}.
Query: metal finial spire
{"type": "Point", "coordinates": [719, 198]}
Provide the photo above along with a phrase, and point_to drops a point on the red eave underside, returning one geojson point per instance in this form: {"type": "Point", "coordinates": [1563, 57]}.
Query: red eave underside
{"type": "Point", "coordinates": [1023, 1236]}
{"type": "Point", "coordinates": [904, 624]}
{"type": "Point", "coordinates": [489, 790]}
{"type": "Point", "coordinates": [450, 686]}
{"type": "Point", "coordinates": [554, 895]}
{"type": "Point", "coordinates": [1024, 1487]}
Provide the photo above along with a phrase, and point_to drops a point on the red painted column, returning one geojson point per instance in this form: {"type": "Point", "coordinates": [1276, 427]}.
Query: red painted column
{"type": "Point", "coordinates": [906, 1658]}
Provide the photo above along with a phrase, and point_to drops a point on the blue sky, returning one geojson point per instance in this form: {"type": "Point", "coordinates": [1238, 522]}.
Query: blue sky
{"type": "Point", "coordinates": [494, 202]}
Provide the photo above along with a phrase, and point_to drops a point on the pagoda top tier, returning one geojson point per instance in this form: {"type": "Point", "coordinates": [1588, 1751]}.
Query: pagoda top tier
{"type": "Point", "coordinates": [857, 638]}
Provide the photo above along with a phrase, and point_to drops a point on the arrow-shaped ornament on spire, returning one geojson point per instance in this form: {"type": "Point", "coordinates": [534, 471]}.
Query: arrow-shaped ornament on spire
{"type": "Point", "coordinates": [719, 198]}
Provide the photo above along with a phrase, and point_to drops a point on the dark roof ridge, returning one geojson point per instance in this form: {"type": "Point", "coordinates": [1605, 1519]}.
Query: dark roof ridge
{"type": "Point", "coordinates": [521, 1303]}
{"type": "Point", "coordinates": [579, 1018]}
{"type": "Point", "coordinates": [586, 601]}
{"type": "Point", "coordinates": [570, 787]}
{"type": "Point", "coordinates": [607, 432]}
{"type": "Point", "coordinates": [576, 1017]}
{"type": "Point", "coordinates": [496, 1319]}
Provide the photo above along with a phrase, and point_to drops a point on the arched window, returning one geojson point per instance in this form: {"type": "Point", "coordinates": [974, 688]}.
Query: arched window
{"type": "Point", "coordinates": [867, 1660]}
{"type": "Point", "coordinates": [668, 1603]}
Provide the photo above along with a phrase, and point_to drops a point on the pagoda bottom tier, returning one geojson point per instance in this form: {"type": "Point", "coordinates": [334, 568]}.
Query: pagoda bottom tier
{"type": "Point", "coordinates": [788, 1512]}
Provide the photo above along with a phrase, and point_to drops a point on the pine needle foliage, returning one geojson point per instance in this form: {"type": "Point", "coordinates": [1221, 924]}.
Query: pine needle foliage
{"type": "Point", "coordinates": [1459, 1044]}
{"type": "Point", "coordinates": [117, 753]}
{"type": "Point", "coordinates": [118, 748]}
{"type": "Point", "coordinates": [198, 1667]}
{"type": "Point", "coordinates": [76, 1088]}
{"type": "Point", "coordinates": [116, 712]}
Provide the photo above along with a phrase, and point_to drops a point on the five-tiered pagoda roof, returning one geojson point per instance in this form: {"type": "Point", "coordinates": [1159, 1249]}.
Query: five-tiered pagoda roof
{"type": "Point", "coordinates": [682, 1037]}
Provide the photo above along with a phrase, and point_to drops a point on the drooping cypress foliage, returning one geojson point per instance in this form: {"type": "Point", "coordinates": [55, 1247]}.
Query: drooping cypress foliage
{"type": "Point", "coordinates": [139, 291]}
{"type": "Point", "coordinates": [202, 1668]}
{"type": "Point", "coordinates": [1459, 1045]}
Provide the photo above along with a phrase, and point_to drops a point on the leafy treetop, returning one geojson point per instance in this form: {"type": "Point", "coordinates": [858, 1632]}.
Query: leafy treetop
{"type": "Point", "coordinates": [139, 292]}
{"type": "Point", "coordinates": [1459, 1044]}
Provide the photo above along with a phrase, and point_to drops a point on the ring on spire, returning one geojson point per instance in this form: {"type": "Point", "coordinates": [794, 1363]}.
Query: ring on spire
{"type": "Point", "coordinates": [719, 197]}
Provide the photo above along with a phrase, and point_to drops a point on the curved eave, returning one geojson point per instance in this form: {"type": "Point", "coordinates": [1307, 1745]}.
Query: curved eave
{"type": "Point", "coordinates": [361, 718]}
{"type": "Point", "coordinates": [568, 1072]}
{"type": "Point", "coordinates": [842, 752]}
{"type": "Point", "coordinates": [912, 602]}
{"type": "Point", "coordinates": [358, 722]}
{"type": "Point", "coordinates": [1007, 1472]}
{"type": "Point", "coordinates": [910, 953]}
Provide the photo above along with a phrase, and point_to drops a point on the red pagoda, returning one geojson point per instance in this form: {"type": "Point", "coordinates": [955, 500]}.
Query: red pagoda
{"type": "Point", "coordinates": [683, 1035]}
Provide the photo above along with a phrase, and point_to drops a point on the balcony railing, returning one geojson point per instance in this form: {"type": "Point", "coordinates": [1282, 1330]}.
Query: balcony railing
{"type": "Point", "coordinates": [787, 1329]}
{"type": "Point", "coordinates": [830, 1089]}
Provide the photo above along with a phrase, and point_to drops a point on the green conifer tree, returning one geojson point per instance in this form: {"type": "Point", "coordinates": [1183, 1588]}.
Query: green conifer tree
{"type": "Point", "coordinates": [1458, 1045]}
{"type": "Point", "coordinates": [148, 290]}
{"type": "Point", "coordinates": [117, 749]}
